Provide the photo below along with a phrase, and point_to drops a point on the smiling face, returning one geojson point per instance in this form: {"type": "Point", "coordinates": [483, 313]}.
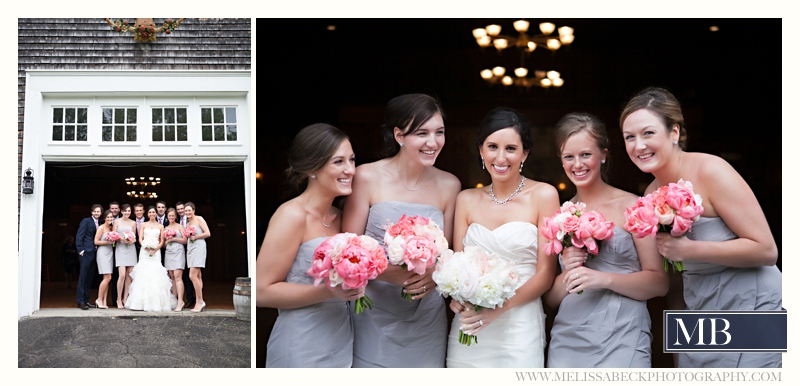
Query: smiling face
{"type": "Point", "coordinates": [151, 214]}
{"type": "Point", "coordinates": [171, 217]}
{"type": "Point", "coordinates": [648, 142]}
{"type": "Point", "coordinates": [114, 208]}
{"type": "Point", "coordinates": [189, 212]}
{"type": "Point", "coordinates": [503, 153]}
{"type": "Point", "coordinates": [581, 158]}
{"type": "Point", "coordinates": [161, 208]}
{"type": "Point", "coordinates": [138, 211]}
{"type": "Point", "coordinates": [426, 142]}
{"type": "Point", "coordinates": [126, 213]}
{"type": "Point", "coordinates": [109, 219]}
{"type": "Point", "coordinates": [336, 175]}
{"type": "Point", "coordinates": [179, 208]}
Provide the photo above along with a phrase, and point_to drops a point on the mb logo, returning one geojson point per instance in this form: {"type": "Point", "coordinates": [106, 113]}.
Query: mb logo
{"type": "Point", "coordinates": [725, 331]}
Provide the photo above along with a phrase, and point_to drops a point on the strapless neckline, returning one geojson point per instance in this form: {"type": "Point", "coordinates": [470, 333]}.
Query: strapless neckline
{"type": "Point", "coordinates": [501, 226]}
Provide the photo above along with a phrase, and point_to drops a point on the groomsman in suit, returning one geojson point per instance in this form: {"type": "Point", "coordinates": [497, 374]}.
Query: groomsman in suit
{"type": "Point", "coordinates": [138, 211]}
{"type": "Point", "coordinates": [187, 283]}
{"type": "Point", "coordinates": [87, 252]}
{"type": "Point", "coordinates": [161, 217]}
{"type": "Point", "coordinates": [113, 206]}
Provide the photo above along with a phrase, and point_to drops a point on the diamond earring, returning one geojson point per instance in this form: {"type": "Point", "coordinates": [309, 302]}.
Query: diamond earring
{"type": "Point", "coordinates": [483, 164]}
{"type": "Point", "coordinates": [675, 142]}
{"type": "Point", "coordinates": [401, 144]}
{"type": "Point", "coordinates": [313, 175]}
{"type": "Point", "coordinates": [520, 166]}
{"type": "Point", "coordinates": [603, 161]}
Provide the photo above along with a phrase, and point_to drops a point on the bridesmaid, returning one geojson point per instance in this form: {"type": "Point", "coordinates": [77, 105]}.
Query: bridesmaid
{"type": "Point", "coordinates": [396, 332]}
{"type": "Point", "coordinates": [125, 254]}
{"type": "Point", "coordinates": [105, 257]}
{"type": "Point", "coordinates": [313, 328]}
{"type": "Point", "coordinates": [504, 218]}
{"type": "Point", "coordinates": [730, 253]}
{"type": "Point", "coordinates": [196, 252]}
{"type": "Point", "coordinates": [175, 257]}
{"type": "Point", "coordinates": [608, 325]}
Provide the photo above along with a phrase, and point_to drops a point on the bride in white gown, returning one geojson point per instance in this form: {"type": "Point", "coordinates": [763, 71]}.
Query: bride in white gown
{"type": "Point", "coordinates": [151, 289]}
{"type": "Point", "coordinates": [503, 218]}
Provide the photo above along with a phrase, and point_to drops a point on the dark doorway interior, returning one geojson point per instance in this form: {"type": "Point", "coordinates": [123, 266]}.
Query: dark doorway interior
{"type": "Point", "coordinates": [217, 189]}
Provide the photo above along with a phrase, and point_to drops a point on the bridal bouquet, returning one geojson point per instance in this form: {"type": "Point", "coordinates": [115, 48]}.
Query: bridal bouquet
{"type": "Point", "coordinates": [169, 234]}
{"type": "Point", "coordinates": [130, 236]}
{"type": "Point", "coordinates": [573, 226]}
{"type": "Point", "coordinates": [671, 208]}
{"type": "Point", "coordinates": [113, 237]}
{"type": "Point", "coordinates": [350, 261]}
{"type": "Point", "coordinates": [150, 245]}
{"type": "Point", "coordinates": [414, 243]}
{"type": "Point", "coordinates": [190, 231]}
{"type": "Point", "coordinates": [477, 277]}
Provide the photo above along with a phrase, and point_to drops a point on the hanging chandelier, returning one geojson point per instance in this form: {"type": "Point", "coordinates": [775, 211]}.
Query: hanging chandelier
{"type": "Point", "coordinates": [490, 36]}
{"type": "Point", "coordinates": [142, 183]}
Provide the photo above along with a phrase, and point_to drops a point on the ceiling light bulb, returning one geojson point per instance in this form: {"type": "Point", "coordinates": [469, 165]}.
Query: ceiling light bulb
{"type": "Point", "coordinates": [567, 39]}
{"type": "Point", "coordinates": [500, 44]}
{"type": "Point", "coordinates": [531, 46]}
{"type": "Point", "coordinates": [486, 74]}
{"type": "Point", "coordinates": [499, 71]}
{"type": "Point", "coordinates": [553, 74]}
{"type": "Point", "coordinates": [521, 25]}
{"type": "Point", "coordinates": [546, 82]}
{"type": "Point", "coordinates": [478, 33]}
{"type": "Point", "coordinates": [547, 28]}
{"type": "Point", "coordinates": [521, 72]}
{"type": "Point", "coordinates": [507, 80]}
{"type": "Point", "coordinates": [553, 44]}
{"type": "Point", "coordinates": [558, 82]}
{"type": "Point", "coordinates": [565, 31]}
{"type": "Point", "coordinates": [484, 41]}
{"type": "Point", "coordinates": [493, 29]}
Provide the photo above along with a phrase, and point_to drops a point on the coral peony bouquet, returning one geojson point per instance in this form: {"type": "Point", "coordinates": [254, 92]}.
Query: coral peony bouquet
{"type": "Point", "coordinates": [170, 234]}
{"type": "Point", "coordinates": [350, 261]}
{"type": "Point", "coordinates": [190, 231]}
{"type": "Point", "coordinates": [113, 237]}
{"type": "Point", "coordinates": [671, 208]}
{"type": "Point", "coordinates": [129, 236]}
{"type": "Point", "coordinates": [573, 226]}
{"type": "Point", "coordinates": [475, 277]}
{"type": "Point", "coordinates": [414, 243]}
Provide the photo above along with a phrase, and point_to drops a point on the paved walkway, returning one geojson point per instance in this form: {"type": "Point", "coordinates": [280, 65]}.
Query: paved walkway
{"type": "Point", "coordinates": [62, 337]}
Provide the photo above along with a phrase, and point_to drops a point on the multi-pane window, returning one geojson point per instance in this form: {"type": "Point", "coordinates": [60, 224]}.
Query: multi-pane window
{"type": "Point", "coordinates": [218, 123]}
{"type": "Point", "coordinates": [70, 123]}
{"type": "Point", "coordinates": [169, 124]}
{"type": "Point", "coordinates": [119, 124]}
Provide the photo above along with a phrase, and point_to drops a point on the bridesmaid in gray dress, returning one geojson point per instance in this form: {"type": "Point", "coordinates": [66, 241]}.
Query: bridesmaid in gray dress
{"type": "Point", "coordinates": [175, 257]}
{"type": "Point", "coordinates": [196, 252]}
{"type": "Point", "coordinates": [730, 253]}
{"type": "Point", "coordinates": [608, 325]}
{"type": "Point", "coordinates": [313, 328]}
{"type": "Point", "coordinates": [105, 257]}
{"type": "Point", "coordinates": [396, 332]}
{"type": "Point", "coordinates": [125, 252]}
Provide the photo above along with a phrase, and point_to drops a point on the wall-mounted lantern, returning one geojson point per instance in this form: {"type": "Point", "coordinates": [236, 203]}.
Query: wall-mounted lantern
{"type": "Point", "coordinates": [27, 182]}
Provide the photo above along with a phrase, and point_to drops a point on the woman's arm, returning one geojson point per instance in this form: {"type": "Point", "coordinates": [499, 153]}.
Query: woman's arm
{"type": "Point", "coordinates": [356, 206]}
{"type": "Point", "coordinates": [180, 240]}
{"type": "Point", "coordinates": [284, 235]}
{"type": "Point", "coordinates": [98, 236]}
{"type": "Point", "coordinates": [452, 188]}
{"type": "Point", "coordinates": [461, 219]}
{"type": "Point", "coordinates": [727, 194]}
{"type": "Point", "coordinates": [206, 233]}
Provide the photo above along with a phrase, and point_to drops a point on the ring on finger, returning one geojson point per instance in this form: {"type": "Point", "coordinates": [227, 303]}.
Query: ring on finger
{"type": "Point", "coordinates": [480, 322]}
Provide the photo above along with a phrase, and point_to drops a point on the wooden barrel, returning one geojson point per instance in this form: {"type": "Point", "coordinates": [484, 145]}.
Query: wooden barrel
{"type": "Point", "coordinates": [241, 298]}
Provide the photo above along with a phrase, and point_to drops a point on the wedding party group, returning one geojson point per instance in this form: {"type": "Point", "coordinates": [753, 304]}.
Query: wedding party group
{"type": "Point", "coordinates": [159, 256]}
{"type": "Point", "coordinates": [368, 285]}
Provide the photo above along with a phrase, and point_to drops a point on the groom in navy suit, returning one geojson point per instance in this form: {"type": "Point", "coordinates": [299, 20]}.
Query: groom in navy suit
{"type": "Point", "coordinates": [87, 252]}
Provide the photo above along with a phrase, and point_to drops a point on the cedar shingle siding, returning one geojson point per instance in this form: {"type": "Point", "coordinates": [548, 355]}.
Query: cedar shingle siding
{"type": "Point", "coordinates": [90, 44]}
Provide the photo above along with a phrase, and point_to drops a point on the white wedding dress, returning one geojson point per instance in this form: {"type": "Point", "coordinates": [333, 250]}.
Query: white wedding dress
{"type": "Point", "coordinates": [151, 288]}
{"type": "Point", "coordinates": [517, 337]}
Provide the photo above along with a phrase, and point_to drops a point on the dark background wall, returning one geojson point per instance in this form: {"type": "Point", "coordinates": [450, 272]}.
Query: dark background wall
{"type": "Point", "coordinates": [729, 83]}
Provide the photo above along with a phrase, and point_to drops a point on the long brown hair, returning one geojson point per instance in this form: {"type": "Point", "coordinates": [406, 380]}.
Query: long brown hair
{"type": "Point", "coordinates": [311, 148]}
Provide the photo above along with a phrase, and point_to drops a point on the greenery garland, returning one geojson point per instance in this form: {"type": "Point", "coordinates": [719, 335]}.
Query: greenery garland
{"type": "Point", "coordinates": [144, 33]}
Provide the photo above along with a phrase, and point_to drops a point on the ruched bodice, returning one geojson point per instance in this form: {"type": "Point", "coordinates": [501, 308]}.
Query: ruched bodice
{"type": "Point", "coordinates": [601, 328]}
{"type": "Point", "coordinates": [397, 332]}
{"type": "Point", "coordinates": [709, 286]}
{"type": "Point", "coordinates": [514, 241]}
{"type": "Point", "coordinates": [517, 337]}
{"type": "Point", "coordinates": [125, 253]}
{"type": "Point", "coordinates": [318, 335]}
{"type": "Point", "coordinates": [151, 234]}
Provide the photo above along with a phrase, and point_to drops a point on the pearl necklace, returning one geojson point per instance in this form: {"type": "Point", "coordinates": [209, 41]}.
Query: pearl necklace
{"type": "Point", "coordinates": [491, 192]}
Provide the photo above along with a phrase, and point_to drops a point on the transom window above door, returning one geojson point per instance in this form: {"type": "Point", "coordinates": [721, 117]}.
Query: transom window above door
{"type": "Point", "coordinates": [218, 123]}
{"type": "Point", "coordinates": [119, 124]}
{"type": "Point", "coordinates": [70, 123]}
{"type": "Point", "coordinates": [169, 124]}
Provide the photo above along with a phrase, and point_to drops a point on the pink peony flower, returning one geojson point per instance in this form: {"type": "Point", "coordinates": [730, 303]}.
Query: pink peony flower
{"type": "Point", "coordinates": [572, 226]}
{"type": "Point", "coordinates": [414, 243]}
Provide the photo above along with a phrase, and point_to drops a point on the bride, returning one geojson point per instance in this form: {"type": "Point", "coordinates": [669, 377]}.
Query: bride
{"type": "Point", "coordinates": [503, 218]}
{"type": "Point", "coordinates": [151, 289]}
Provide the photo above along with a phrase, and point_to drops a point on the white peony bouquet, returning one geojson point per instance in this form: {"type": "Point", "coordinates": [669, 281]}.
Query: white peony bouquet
{"type": "Point", "coordinates": [477, 277]}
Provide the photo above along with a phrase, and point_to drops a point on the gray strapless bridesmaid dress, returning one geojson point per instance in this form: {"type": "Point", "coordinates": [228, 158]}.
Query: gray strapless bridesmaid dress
{"type": "Point", "coordinates": [708, 286]}
{"type": "Point", "coordinates": [105, 257]}
{"type": "Point", "coordinates": [397, 332]}
{"type": "Point", "coordinates": [601, 328]}
{"type": "Point", "coordinates": [319, 335]}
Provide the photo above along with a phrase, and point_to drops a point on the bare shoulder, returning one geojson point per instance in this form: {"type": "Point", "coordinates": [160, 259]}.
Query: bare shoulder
{"type": "Point", "coordinates": [447, 181]}
{"type": "Point", "coordinates": [711, 167]}
{"type": "Point", "coordinates": [290, 214]}
{"type": "Point", "coordinates": [623, 198]}
{"type": "Point", "coordinates": [370, 171]}
{"type": "Point", "coordinates": [543, 191]}
{"type": "Point", "coordinates": [468, 195]}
